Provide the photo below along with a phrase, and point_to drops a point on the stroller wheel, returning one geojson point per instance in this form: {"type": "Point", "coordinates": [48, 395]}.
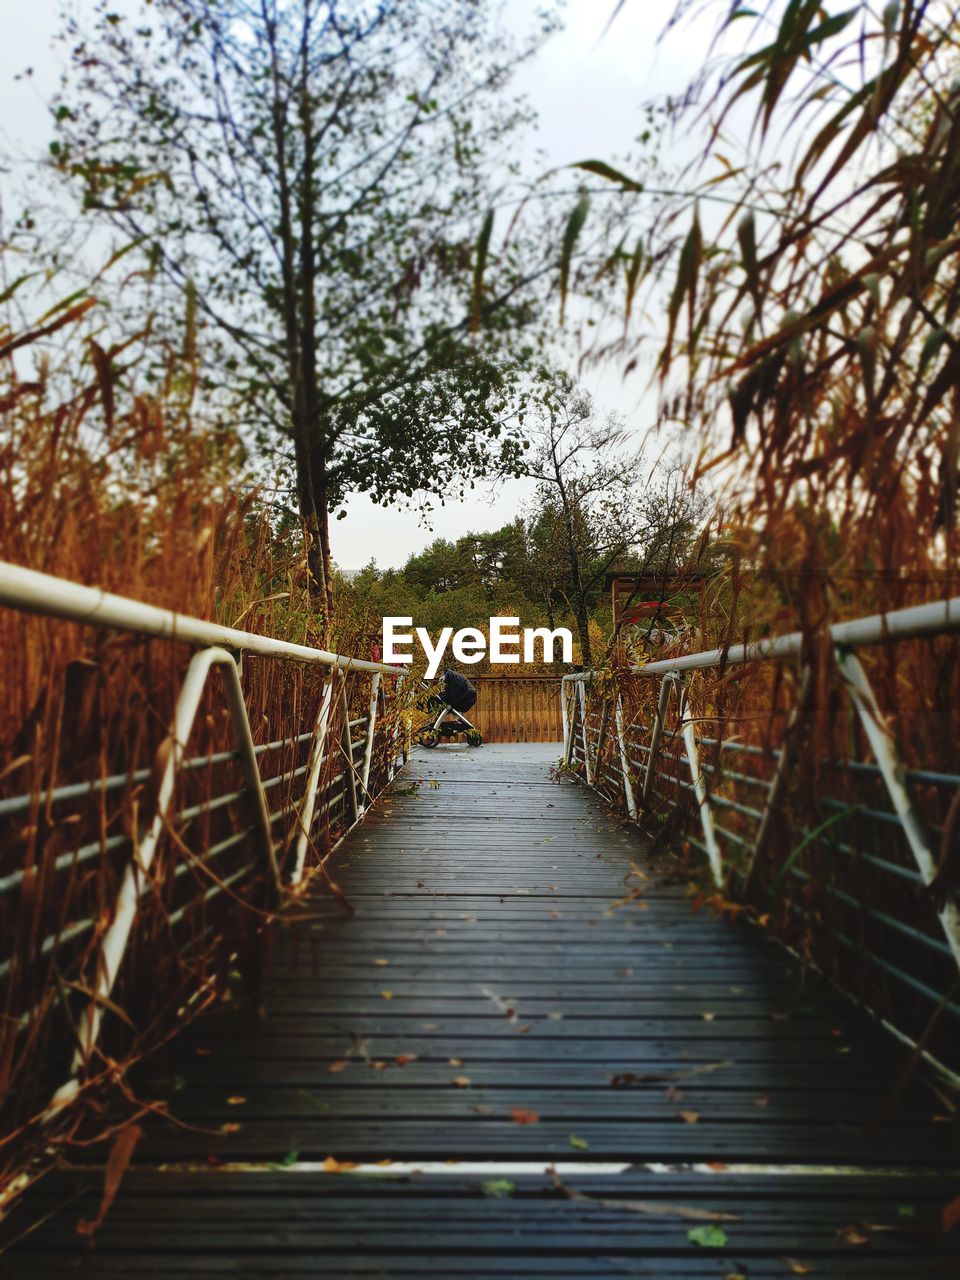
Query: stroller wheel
{"type": "Point", "coordinates": [474, 739]}
{"type": "Point", "coordinates": [429, 738]}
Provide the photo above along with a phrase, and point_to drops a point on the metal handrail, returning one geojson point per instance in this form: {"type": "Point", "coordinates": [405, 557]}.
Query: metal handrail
{"type": "Point", "coordinates": [41, 593]}
{"type": "Point", "coordinates": [29, 591]}
{"type": "Point", "coordinates": [939, 618]}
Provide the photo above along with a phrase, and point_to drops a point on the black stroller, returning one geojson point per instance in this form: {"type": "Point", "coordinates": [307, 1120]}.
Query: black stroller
{"type": "Point", "coordinates": [446, 713]}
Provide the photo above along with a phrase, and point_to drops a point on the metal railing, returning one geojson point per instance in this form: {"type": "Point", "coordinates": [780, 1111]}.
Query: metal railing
{"type": "Point", "coordinates": [637, 735]}
{"type": "Point", "coordinates": [324, 773]}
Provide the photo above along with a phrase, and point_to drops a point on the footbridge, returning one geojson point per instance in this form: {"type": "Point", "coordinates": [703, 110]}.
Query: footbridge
{"type": "Point", "coordinates": [285, 996]}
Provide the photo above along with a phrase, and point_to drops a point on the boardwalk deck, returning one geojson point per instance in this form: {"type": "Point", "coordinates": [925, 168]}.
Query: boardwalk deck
{"type": "Point", "coordinates": [488, 1012]}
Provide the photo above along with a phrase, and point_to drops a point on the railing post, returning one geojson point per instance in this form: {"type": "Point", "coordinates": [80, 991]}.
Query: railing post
{"type": "Point", "coordinates": [885, 752]}
{"type": "Point", "coordinates": [625, 760]}
{"type": "Point", "coordinates": [317, 757]}
{"type": "Point", "coordinates": [346, 746]}
{"type": "Point", "coordinates": [700, 790]}
{"type": "Point", "coordinates": [662, 699]}
{"type": "Point", "coordinates": [571, 723]}
{"type": "Point", "coordinates": [787, 757]}
{"type": "Point", "coordinates": [371, 731]}
{"type": "Point", "coordinates": [564, 714]}
{"type": "Point", "coordinates": [587, 762]}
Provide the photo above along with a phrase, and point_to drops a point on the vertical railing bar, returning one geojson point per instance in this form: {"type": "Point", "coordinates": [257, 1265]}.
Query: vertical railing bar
{"type": "Point", "coordinates": [588, 763]}
{"type": "Point", "coordinates": [884, 749]}
{"type": "Point", "coordinates": [371, 732]}
{"type": "Point", "coordinates": [313, 779]}
{"type": "Point", "coordinates": [700, 789]}
{"type": "Point", "coordinates": [625, 760]}
{"type": "Point", "coordinates": [571, 724]}
{"type": "Point", "coordinates": [564, 716]}
{"type": "Point", "coordinates": [347, 750]}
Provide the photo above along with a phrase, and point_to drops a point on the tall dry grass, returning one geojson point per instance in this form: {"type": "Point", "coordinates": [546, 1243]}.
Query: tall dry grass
{"type": "Point", "coordinates": [113, 480]}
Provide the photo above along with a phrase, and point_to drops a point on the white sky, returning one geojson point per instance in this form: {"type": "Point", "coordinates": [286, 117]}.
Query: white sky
{"type": "Point", "coordinates": [587, 89]}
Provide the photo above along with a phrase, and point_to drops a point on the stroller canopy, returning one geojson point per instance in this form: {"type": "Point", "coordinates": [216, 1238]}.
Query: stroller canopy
{"type": "Point", "coordinates": [457, 691]}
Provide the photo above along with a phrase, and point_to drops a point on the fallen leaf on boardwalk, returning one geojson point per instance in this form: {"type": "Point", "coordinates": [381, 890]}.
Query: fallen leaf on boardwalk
{"type": "Point", "coordinates": [386, 995]}
{"type": "Point", "coordinates": [519, 1116]}
{"type": "Point", "coordinates": [624, 1078]}
{"type": "Point", "coordinates": [380, 1065]}
{"type": "Point", "coordinates": [440, 933]}
{"type": "Point", "coordinates": [689, 1117]}
{"type": "Point", "coordinates": [461, 1082]}
{"type": "Point", "coordinates": [237, 1100]}
{"type": "Point", "coordinates": [341, 1064]}
{"type": "Point", "coordinates": [579, 1144]}
{"type": "Point", "coordinates": [332, 1165]}
{"type": "Point", "coordinates": [404, 1059]}
{"type": "Point", "coordinates": [950, 1217]}
{"type": "Point", "coordinates": [762, 1101]}
{"type": "Point", "coordinates": [674, 1094]}
{"type": "Point", "coordinates": [381, 963]}
{"type": "Point", "coordinates": [498, 1188]}
{"type": "Point", "coordinates": [852, 1235]}
{"type": "Point", "coordinates": [117, 1163]}
{"type": "Point", "coordinates": [231, 1126]}
{"type": "Point", "coordinates": [482, 1109]}
{"type": "Point", "coordinates": [708, 1017]}
{"type": "Point", "coordinates": [555, 915]}
{"type": "Point", "coordinates": [717, 1166]}
{"type": "Point", "coordinates": [523, 1030]}
{"type": "Point", "coordinates": [555, 1017]}
{"type": "Point", "coordinates": [707, 1237]}
{"type": "Point", "coordinates": [455, 1062]}
{"type": "Point", "coordinates": [797, 1268]}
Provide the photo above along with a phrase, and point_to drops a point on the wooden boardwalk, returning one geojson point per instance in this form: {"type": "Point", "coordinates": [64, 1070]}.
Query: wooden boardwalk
{"type": "Point", "coordinates": [586, 1081]}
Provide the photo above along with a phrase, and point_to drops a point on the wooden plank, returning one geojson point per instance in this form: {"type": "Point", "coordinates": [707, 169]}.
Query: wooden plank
{"type": "Point", "coordinates": [491, 900]}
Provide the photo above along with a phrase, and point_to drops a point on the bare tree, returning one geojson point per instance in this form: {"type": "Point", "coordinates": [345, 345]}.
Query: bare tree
{"type": "Point", "coordinates": [318, 177]}
{"type": "Point", "coordinates": [597, 509]}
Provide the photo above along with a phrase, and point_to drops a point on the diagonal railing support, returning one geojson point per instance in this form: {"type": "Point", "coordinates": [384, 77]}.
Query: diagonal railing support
{"type": "Point", "coordinates": [885, 753]}
{"type": "Point", "coordinates": [169, 758]}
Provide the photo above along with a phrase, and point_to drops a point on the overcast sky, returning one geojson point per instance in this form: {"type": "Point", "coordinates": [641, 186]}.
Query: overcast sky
{"type": "Point", "coordinates": [587, 88]}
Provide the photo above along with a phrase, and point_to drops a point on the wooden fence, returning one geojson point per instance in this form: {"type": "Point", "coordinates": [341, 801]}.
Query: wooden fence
{"type": "Point", "coordinates": [518, 708]}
